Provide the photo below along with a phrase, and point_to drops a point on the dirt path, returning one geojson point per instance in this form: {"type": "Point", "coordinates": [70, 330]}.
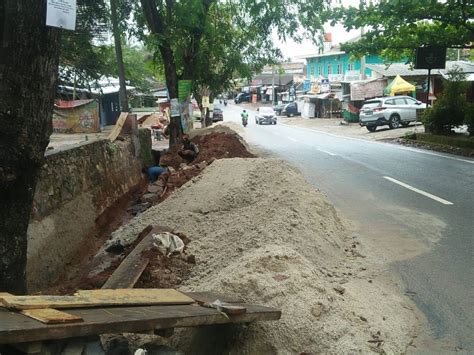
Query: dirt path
{"type": "Point", "coordinates": [261, 232]}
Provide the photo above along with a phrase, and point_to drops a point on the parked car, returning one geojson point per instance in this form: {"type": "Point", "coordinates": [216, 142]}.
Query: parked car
{"type": "Point", "coordinates": [290, 109]}
{"type": "Point", "coordinates": [394, 111]}
{"type": "Point", "coordinates": [278, 108]}
{"type": "Point", "coordinates": [217, 114]}
{"type": "Point", "coordinates": [242, 97]}
{"type": "Point", "coordinates": [265, 115]}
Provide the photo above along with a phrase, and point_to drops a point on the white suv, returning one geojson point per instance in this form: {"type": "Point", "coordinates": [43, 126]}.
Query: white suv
{"type": "Point", "coordinates": [392, 111]}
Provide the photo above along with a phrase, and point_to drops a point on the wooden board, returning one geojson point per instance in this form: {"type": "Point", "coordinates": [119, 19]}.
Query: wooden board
{"type": "Point", "coordinates": [16, 328]}
{"type": "Point", "coordinates": [118, 126]}
{"type": "Point", "coordinates": [131, 268]}
{"type": "Point", "coordinates": [51, 316]}
{"type": "Point", "coordinates": [98, 298]}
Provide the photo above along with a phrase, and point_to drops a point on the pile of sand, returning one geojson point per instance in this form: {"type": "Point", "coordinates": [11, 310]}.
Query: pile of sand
{"type": "Point", "coordinates": [261, 232]}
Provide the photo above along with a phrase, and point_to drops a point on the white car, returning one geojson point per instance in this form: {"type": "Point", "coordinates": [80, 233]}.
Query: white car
{"type": "Point", "coordinates": [265, 115]}
{"type": "Point", "coordinates": [394, 111]}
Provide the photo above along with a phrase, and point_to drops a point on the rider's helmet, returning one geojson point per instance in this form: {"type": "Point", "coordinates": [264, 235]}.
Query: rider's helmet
{"type": "Point", "coordinates": [244, 110]}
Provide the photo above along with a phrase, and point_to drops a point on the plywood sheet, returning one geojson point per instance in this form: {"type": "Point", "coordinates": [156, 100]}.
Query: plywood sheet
{"type": "Point", "coordinates": [51, 316]}
{"type": "Point", "coordinates": [97, 298]}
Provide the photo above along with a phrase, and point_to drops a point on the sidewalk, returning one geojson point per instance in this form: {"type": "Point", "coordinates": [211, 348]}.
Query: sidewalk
{"type": "Point", "coordinates": [339, 127]}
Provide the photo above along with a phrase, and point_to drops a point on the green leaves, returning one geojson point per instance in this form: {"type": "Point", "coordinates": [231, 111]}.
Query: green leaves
{"type": "Point", "coordinates": [399, 26]}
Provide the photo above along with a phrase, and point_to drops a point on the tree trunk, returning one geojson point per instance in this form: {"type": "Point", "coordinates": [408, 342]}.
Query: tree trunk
{"type": "Point", "coordinates": [119, 57]}
{"type": "Point", "coordinates": [172, 84]}
{"type": "Point", "coordinates": [28, 72]}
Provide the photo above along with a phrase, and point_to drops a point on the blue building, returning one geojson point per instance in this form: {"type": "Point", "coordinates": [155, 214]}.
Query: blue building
{"type": "Point", "coordinates": [336, 65]}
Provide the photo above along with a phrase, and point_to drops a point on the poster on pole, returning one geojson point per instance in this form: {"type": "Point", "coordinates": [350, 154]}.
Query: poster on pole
{"type": "Point", "coordinates": [175, 112]}
{"type": "Point", "coordinates": [61, 13]}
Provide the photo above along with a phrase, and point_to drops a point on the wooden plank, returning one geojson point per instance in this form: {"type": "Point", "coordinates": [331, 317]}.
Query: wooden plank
{"type": "Point", "coordinates": [51, 316]}
{"type": "Point", "coordinates": [16, 328]}
{"type": "Point", "coordinates": [131, 268]}
{"type": "Point", "coordinates": [118, 127]}
{"type": "Point", "coordinates": [99, 298]}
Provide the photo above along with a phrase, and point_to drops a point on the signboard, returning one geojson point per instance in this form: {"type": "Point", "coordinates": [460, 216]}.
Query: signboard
{"type": "Point", "coordinates": [324, 86]}
{"type": "Point", "coordinates": [61, 13]}
{"type": "Point", "coordinates": [307, 85]}
{"type": "Point", "coordinates": [205, 101]}
{"type": "Point", "coordinates": [430, 57]}
{"type": "Point", "coordinates": [78, 116]}
{"type": "Point", "coordinates": [184, 89]}
{"type": "Point", "coordinates": [175, 108]}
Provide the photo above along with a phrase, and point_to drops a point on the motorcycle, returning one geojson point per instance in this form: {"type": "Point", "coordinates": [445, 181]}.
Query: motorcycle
{"type": "Point", "coordinates": [245, 121]}
{"type": "Point", "coordinates": [225, 102]}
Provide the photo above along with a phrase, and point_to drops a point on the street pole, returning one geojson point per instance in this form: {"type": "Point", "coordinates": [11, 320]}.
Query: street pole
{"type": "Point", "coordinates": [273, 86]}
{"type": "Point", "coordinates": [428, 93]}
{"type": "Point", "coordinates": [362, 59]}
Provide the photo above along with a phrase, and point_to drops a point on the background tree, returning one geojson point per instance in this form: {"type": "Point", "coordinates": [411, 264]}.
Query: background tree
{"type": "Point", "coordinates": [451, 108]}
{"type": "Point", "coordinates": [178, 28]}
{"type": "Point", "coordinates": [395, 28]}
{"type": "Point", "coordinates": [84, 53]}
{"type": "Point", "coordinates": [29, 54]}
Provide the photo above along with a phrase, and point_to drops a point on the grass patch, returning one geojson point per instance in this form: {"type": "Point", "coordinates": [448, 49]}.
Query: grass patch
{"type": "Point", "coordinates": [453, 141]}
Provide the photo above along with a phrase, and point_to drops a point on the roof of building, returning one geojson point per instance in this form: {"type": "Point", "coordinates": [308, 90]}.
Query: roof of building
{"type": "Point", "coordinates": [335, 50]}
{"type": "Point", "coordinates": [288, 67]}
{"type": "Point", "coordinates": [395, 69]}
{"type": "Point", "coordinates": [280, 79]}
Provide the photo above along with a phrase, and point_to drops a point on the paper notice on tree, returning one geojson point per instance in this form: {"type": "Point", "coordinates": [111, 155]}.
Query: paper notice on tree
{"type": "Point", "coordinates": [205, 101]}
{"type": "Point", "coordinates": [61, 13]}
{"type": "Point", "coordinates": [175, 111]}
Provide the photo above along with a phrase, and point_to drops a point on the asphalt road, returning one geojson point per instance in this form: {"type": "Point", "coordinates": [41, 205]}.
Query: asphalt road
{"type": "Point", "coordinates": [416, 206]}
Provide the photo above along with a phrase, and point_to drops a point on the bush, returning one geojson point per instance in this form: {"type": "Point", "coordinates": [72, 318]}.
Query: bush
{"type": "Point", "coordinates": [450, 109]}
{"type": "Point", "coordinates": [469, 118]}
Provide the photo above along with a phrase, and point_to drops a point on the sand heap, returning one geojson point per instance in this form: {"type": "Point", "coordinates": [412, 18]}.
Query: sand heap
{"type": "Point", "coordinates": [261, 232]}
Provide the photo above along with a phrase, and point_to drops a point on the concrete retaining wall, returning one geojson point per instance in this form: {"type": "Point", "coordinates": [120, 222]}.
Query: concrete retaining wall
{"type": "Point", "coordinates": [76, 185]}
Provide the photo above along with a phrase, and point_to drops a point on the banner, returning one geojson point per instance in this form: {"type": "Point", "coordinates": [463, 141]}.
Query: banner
{"type": "Point", "coordinates": [184, 89]}
{"type": "Point", "coordinates": [78, 116]}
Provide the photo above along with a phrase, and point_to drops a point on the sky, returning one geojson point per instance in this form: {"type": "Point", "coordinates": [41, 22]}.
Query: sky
{"type": "Point", "coordinates": [290, 49]}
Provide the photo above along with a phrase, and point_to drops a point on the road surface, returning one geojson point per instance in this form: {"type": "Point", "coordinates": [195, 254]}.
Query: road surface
{"type": "Point", "coordinates": [416, 206]}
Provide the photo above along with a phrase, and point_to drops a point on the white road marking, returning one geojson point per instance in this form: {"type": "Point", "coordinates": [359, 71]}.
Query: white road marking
{"type": "Point", "coordinates": [421, 192]}
{"type": "Point", "coordinates": [325, 151]}
{"type": "Point", "coordinates": [421, 151]}
{"type": "Point", "coordinates": [293, 140]}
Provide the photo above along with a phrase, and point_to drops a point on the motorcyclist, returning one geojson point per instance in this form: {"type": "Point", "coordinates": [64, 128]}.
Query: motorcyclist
{"type": "Point", "coordinates": [245, 117]}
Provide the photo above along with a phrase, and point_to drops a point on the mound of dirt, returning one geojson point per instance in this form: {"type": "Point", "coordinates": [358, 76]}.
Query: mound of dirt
{"type": "Point", "coordinates": [262, 233]}
{"type": "Point", "coordinates": [213, 144]}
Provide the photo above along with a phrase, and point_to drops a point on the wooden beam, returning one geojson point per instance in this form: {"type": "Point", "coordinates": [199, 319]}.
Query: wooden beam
{"type": "Point", "coordinates": [132, 267]}
{"type": "Point", "coordinates": [118, 127]}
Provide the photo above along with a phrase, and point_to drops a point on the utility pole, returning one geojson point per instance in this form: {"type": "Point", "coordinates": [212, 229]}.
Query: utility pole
{"type": "Point", "coordinates": [119, 56]}
{"type": "Point", "coordinates": [362, 59]}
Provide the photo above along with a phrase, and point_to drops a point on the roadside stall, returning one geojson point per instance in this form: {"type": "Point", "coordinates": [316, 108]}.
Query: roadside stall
{"type": "Point", "coordinates": [400, 86]}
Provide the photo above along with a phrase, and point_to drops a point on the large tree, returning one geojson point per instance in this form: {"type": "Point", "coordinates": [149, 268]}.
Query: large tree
{"type": "Point", "coordinates": [28, 71]}
{"type": "Point", "coordinates": [396, 28]}
{"type": "Point", "coordinates": [180, 30]}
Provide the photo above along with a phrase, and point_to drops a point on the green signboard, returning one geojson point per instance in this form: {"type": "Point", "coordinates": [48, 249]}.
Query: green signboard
{"type": "Point", "coordinates": [184, 89]}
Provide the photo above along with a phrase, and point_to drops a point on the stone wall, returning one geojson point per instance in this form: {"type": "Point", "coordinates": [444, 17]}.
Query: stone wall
{"type": "Point", "coordinates": [76, 185]}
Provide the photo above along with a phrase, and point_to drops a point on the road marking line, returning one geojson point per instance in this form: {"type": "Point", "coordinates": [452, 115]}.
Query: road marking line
{"type": "Point", "coordinates": [293, 140]}
{"type": "Point", "coordinates": [377, 142]}
{"type": "Point", "coordinates": [325, 151]}
{"type": "Point", "coordinates": [421, 192]}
